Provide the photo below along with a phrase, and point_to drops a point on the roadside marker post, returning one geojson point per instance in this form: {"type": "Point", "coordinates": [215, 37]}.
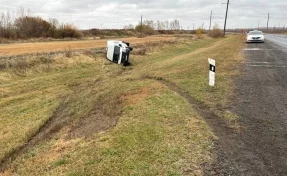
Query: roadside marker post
{"type": "Point", "coordinates": [211, 72]}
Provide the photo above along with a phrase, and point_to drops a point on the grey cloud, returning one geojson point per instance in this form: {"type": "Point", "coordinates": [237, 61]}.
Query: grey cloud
{"type": "Point", "coordinates": [116, 14]}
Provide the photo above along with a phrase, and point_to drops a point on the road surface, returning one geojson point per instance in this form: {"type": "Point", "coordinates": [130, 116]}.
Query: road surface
{"type": "Point", "coordinates": [46, 47]}
{"type": "Point", "coordinates": [260, 148]}
{"type": "Point", "coordinates": [278, 39]}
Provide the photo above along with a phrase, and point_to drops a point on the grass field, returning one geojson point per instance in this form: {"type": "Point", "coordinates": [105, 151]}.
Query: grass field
{"type": "Point", "coordinates": [109, 120]}
{"type": "Point", "coordinates": [40, 47]}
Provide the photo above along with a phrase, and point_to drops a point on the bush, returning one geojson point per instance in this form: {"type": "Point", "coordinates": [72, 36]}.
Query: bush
{"type": "Point", "coordinates": [7, 33]}
{"type": "Point", "coordinates": [109, 32]}
{"type": "Point", "coordinates": [27, 27]}
{"type": "Point", "coordinates": [216, 32]}
{"type": "Point", "coordinates": [30, 27]}
{"type": "Point", "coordinates": [199, 32]}
{"type": "Point", "coordinates": [68, 31]}
{"type": "Point", "coordinates": [145, 29]}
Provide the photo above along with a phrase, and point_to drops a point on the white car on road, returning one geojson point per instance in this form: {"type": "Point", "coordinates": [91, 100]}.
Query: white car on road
{"type": "Point", "coordinates": [255, 36]}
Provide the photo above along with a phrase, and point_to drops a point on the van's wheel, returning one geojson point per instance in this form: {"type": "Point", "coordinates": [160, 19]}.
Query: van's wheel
{"type": "Point", "coordinates": [127, 64]}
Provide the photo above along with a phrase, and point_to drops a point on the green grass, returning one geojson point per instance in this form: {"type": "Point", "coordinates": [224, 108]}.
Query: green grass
{"type": "Point", "coordinates": [158, 132]}
{"type": "Point", "coordinates": [157, 136]}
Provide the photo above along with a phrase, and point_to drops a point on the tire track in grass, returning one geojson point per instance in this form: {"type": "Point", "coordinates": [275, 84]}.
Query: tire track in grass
{"type": "Point", "coordinates": [96, 120]}
{"type": "Point", "coordinates": [51, 126]}
{"type": "Point", "coordinates": [218, 125]}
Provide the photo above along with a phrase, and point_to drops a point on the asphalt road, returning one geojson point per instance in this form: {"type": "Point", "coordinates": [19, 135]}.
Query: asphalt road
{"type": "Point", "coordinates": [278, 39]}
{"type": "Point", "coordinates": [260, 146]}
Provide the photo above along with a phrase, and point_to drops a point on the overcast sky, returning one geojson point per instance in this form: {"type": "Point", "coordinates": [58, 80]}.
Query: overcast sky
{"type": "Point", "coordinates": [116, 14]}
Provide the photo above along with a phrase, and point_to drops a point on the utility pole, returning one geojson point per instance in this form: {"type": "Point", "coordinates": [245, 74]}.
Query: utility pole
{"type": "Point", "coordinates": [227, 6]}
{"type": "Point", "coordinates": [141, 26]}
{"type": "Point", "coordinates": [258, 24]}
{"type": "Point", "coordinates": [90, 19]}
{"type": "Point", "coordinates": [193, 26]}
{"type": "Point", "coordinates": [268, 22]}
{"type": "Point", "coordinates": [210, 20]}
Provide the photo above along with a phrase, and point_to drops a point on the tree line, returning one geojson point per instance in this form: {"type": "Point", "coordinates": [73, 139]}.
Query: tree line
{"type": "Point", "coordinates": [149, 26]}
{"type": "Point", "coordinates": [23, 25]}
{"type": "Point", "coordinates": [158, 25]}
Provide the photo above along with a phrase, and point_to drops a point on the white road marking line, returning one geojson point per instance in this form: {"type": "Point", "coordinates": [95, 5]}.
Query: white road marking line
{"type": "Point", "coordinates": [269, 66]}
{"type": "Point", "coordinates": [274, 49]}
{"type": "Point", "coordinates": [252, 49]}
{"type": "Point", "coordinates": [261, 49]}
{"type": "Point", "coordinates": [258, 62]}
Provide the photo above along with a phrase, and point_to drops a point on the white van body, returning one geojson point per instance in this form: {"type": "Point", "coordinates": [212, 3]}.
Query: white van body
{"type": "Point", "coordinates": [118, 52]}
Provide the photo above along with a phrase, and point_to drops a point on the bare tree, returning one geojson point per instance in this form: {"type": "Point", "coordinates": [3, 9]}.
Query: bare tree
{"type": "Point", "coordinates": [160, 25]}
{"type": "Point", "coordinates": [149, 23]}
{"type": "Point", "coordinates": [166, 25]}
{"type": "Point", "coordinates": [130, 26]}
{"type": "Point", "coordinates": [175, 25]}
{"type": "Point", "coordinates": [7, 29]}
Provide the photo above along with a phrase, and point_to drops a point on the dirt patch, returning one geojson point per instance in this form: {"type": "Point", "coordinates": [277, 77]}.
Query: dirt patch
{"type": "Point", "coordinates": [137, 96]}
{"type": "Point", "coordinates": [105, 115]}
{"type": "Point", "coordinates": [141, 94]}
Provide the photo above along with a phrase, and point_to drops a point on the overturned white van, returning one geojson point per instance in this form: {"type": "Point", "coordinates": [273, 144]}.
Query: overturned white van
{"type": "Point", "coordinates": [119, 52]}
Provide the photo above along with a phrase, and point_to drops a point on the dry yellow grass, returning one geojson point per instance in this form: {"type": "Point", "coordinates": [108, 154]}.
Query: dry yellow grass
{"type": "Point", "coordinates": [45, 47]}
